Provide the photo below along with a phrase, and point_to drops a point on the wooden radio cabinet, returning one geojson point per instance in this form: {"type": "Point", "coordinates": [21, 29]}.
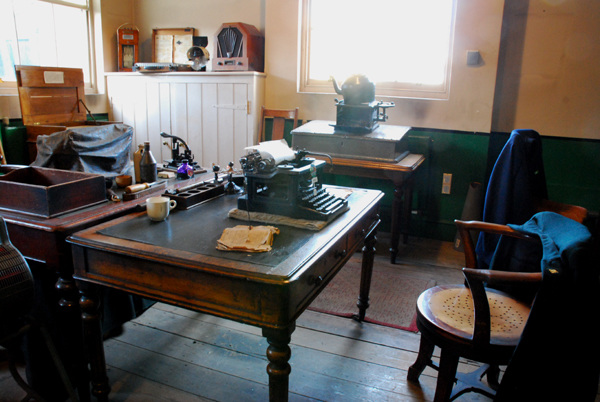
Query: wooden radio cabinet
{"type": "Point", "coordinates": [239, 47]}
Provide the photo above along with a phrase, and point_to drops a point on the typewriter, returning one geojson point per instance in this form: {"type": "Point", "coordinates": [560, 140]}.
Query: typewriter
{"type": "Point", "coordinates": [290, 187]}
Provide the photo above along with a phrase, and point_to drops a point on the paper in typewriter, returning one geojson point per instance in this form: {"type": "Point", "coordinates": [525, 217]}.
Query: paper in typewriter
{"type": "Point", "coordinates": [254, 239]}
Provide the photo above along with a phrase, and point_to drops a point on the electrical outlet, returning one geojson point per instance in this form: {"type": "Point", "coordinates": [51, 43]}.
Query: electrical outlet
{"type": "Point", "coordinates": [447, 183]}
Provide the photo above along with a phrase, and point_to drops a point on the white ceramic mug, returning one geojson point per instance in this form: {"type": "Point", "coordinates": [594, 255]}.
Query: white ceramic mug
{"type": "Point", "coordinates": [158, 207]}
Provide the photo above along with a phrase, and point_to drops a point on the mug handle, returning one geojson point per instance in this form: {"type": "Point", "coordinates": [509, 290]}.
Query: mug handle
{"type": "Point", "coordinates": [172, 204]}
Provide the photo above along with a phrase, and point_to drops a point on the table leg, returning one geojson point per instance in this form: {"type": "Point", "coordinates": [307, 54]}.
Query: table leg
{"type": "Point", "coordinates": [401, 210]}
{"type": "Point", "coordinates": [69, 323]}
{"type": "Point", "coordinates": [92, 333]}
{"type": "Point", "coordinates": [397, 210]}
{"type": "Point", "coordinates": [366, 273]}
{"type": "Point", "coordinates": [279, 354]}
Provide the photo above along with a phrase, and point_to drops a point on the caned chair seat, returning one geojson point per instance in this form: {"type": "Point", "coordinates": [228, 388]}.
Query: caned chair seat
{"type": "Point", "coordinates": [450, 309]}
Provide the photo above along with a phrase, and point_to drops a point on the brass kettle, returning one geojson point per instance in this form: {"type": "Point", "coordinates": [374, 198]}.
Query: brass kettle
{"type": "Point", "coordinates": [356, 89]}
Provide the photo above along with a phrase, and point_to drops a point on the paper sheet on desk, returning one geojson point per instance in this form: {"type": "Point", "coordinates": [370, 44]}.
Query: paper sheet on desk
{"type": "Point", "coordinates": [253, 239]}
{"type": "Point", "coordinates": [277, 150]}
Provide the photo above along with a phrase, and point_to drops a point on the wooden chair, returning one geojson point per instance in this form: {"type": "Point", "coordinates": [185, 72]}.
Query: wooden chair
{"type": "Point", "coordinates": [459, 320]}
{"type": "Point", "coordinates": [279, 117]}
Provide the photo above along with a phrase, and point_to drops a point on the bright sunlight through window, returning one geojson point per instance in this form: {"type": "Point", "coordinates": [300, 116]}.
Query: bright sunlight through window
{"type": "Point", "coordinates": [41, 33]}
{"type": "Point", "coordinates": [404, 46]}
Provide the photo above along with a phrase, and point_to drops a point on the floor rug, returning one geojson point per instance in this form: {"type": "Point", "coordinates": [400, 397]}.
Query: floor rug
{"type": "Point", "coordinates": [392, 299]}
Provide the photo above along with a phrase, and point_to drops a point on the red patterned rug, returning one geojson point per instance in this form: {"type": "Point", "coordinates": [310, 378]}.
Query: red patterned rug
{"type": "Point", "coordinates": [392, 300]}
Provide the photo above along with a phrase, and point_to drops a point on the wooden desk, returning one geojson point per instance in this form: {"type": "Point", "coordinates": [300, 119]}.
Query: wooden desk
{"type": "Point", "coordinates": [42, 241]}
{"type": "Point", "coordinates": [176, 262]}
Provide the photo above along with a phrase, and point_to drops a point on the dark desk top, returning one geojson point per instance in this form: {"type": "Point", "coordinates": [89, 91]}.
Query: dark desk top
{"type": "Point", "coordinates": [190, 236]}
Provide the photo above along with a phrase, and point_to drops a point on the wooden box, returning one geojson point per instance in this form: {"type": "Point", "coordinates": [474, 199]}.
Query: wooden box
{"type": "Point", "coordinates": [239, 47]}
{"type": "Point", "coordinates": [51, 100]}
{"type": "Point", "coordinates": [49, 192]}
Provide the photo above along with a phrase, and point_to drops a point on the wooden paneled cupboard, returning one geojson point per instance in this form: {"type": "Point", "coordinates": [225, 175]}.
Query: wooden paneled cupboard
{"type": "Point", "coordinates": [216, 114]}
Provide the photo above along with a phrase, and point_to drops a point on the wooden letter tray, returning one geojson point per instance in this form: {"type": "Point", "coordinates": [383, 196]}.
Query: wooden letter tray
{"type": "Point", "coordinates": [51, 100]}
{"type": "Point", "coordinates": [49, 192]}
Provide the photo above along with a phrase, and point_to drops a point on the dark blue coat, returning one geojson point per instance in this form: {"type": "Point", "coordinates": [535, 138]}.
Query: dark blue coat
{"type": "Point", "coordinates": [516, 185]}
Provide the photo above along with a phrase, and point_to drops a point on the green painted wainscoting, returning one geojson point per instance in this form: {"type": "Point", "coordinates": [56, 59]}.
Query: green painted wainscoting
{"type": "Point", "coordinates": [572, 174]}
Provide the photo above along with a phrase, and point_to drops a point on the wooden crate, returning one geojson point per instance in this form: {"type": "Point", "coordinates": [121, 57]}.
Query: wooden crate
{"type": "Point", "coordinates": [49, 192]}
{"type": "Point", "coordinates": [51, 100]}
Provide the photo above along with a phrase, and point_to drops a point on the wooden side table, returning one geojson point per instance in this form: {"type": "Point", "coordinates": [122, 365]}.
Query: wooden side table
{"type": "Point", "coordinates": [380, 154]}
{"type": "Point", "coordinates": [401, 174]}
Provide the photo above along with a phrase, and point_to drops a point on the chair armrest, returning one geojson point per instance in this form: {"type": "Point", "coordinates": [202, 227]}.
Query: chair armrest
{"type": "Point", "coordinates": [574, 212]}
{"type": "Point", "coordinates": [475, 281]}
{"type": "Point", "coordinates": [493, 277]}
{"type": "Point", "coordinates": [464, 228]}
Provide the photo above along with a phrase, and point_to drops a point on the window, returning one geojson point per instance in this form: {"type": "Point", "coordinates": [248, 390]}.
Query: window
{"type": "Point", "coordinates": [404, 46]}
{"type": "Point", "coordinates": [52, 33]}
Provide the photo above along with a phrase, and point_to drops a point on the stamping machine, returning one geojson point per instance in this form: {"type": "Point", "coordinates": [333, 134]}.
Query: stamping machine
{"type": "Point", "coordinates": [289, 185]}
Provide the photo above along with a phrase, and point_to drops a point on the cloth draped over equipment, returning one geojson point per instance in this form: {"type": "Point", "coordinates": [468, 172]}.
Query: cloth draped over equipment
{"type": "Point", "coordinates": [103, 149]}
{"type": "Point", "coordinates": [558, 353]}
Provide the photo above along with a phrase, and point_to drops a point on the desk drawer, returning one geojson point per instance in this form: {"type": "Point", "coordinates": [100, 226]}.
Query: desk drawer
{"type": "Point", "coordinates": [326, 266]}
{"type": "Point", "coordinates": [362, 229]}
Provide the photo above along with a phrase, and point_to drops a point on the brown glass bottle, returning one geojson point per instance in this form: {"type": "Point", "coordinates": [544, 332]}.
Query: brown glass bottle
{"type": "Point", "coordinates": [148, 172]}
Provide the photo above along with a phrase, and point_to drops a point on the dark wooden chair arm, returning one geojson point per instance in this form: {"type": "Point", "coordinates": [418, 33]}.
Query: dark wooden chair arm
{"type": "Point", "coordinates": [575, 212]}
{"type": "Point", "coordinates": [476, 280]}
{"type": "Point", "coordinates": [464, 228]}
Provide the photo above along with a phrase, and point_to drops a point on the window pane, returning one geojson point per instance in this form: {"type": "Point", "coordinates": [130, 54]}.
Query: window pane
{"type": "Point", "coordinates": [35, 29]}
{"type": "Point", "coordinates": [48, 35]}
{"type": "Point", "coordinates": [8, 46]}
{"type": "Point", "coordinates": [72, 38]}
{"type": "Point", "coordinates": [396, 42]}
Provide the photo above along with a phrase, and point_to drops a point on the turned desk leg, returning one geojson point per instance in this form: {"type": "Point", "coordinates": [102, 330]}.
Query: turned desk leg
{"type": "Point", "coordinates": [366, 274]}
{"type": "Point", "coordinates": [279, 354]}
{"type": "Point", "coordinates": [92, 333]}
{"type": "Point", "coordinates": [69, 322]}
{"type": "Point", "coordinates": [401, 210]}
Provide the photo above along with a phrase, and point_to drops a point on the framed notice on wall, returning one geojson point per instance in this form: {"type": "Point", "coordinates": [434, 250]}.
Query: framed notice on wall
{"type": "Point", "coordinates": [170, 45]}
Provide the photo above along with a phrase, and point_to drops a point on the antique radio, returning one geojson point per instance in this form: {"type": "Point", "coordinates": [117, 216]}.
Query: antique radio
{"type": "Point", "coordinates": [239, 47]}
{"type": "Point", "coordinates": [288, 184]}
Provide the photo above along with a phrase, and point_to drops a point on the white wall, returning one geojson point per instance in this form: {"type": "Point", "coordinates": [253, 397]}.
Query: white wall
{"type": "Point", "coordinates": [547, 75]}
{"type": "Point", "coordinates": [206, 16]}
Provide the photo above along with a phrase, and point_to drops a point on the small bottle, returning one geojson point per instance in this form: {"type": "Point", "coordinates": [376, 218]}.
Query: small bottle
{"type": "Point", "coordinates": [148, 172]}
{"type": "Point", "coordinates": [185, 171]}
{"type": "Point", "coordinates": [137, 158]}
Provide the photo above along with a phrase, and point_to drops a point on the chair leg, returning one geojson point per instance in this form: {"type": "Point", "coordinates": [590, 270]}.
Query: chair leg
{"type": "Point", "coordinates": [58, 363]}
{"type": "Point", "coordinates": [31, 393]}
{"type": "Point", "coordinates": [446, 375]}
{"type": "Point", "coordinates": [423, 359]}
{"type": "Point", "coordinates": [493, 375]}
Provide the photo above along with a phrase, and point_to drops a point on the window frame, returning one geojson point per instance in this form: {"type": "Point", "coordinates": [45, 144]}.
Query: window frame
{"type": "Point", "coordinates": [388, 89]}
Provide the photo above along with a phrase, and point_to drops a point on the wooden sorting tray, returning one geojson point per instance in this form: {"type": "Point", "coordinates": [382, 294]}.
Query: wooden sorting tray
{"type": "Point", "coordinates": [49, 192]}
{"type": "Point", "coordinates": [196, 195]}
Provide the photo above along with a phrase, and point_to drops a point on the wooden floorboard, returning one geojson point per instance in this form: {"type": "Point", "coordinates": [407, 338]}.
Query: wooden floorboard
{"type": "Point", "coordinates": [173, 354]}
